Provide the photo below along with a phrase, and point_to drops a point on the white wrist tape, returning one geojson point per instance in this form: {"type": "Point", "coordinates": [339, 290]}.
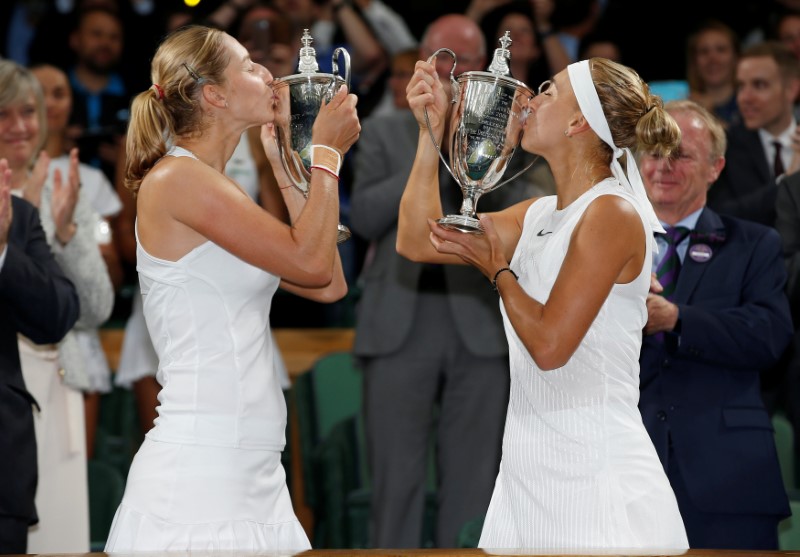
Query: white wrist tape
{"type": "Point", "coordinates": [326, 157]}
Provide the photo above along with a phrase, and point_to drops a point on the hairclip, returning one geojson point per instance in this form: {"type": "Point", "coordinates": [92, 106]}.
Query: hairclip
{"type": "Point", "coordinates": [192, 72]}
{"type": "Point", "coordinates": [159, 91]}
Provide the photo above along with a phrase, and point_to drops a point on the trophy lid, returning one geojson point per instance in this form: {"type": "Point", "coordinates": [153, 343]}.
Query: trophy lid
{"type": "Point", "coordinates": [308, 55]}
{"type": "Point", "coordinates": [502, 55]}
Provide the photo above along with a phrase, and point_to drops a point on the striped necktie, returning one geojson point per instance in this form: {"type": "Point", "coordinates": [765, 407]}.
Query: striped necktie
{"type": "Point", "coordinates": [667, 271]}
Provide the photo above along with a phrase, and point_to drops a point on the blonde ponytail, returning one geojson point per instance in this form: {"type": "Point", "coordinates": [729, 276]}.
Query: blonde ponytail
{"type": "Point", "coordinates": [148, 128]}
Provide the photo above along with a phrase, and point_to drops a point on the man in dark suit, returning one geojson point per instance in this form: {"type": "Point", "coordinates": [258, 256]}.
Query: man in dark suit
{"type": "Point", "coordinates": [426, 335]}
{"type": "Point", "coordinates": [788, 225]}
{"type": "Point", "coordinates": [38, 301]}
{"type": "Point", "coordinates": [760, 149]}
{"type": "Point", "coordinates": [726, 322]}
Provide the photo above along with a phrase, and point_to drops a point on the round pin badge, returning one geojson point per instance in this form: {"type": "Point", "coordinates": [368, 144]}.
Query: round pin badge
{"type": "Point", "coordinates": [700, 253]}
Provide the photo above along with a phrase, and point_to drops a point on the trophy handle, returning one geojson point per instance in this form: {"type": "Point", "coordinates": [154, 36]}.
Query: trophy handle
{"type": "Point", "coordinates": [454, 88]}
{"type": "Point", "coordinates": [335, 66]}
{"type": "Point", "coordinates": [520, 173]}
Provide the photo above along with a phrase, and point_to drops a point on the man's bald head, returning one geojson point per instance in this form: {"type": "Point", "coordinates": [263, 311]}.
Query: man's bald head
{"type": "Point", "coordinates": [461, 35]}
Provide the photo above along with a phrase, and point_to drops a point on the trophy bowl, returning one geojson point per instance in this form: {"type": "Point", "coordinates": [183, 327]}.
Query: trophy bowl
{"type": "Point", "coordinates": [298, 100]}
{"type": "Point", "coordinates": [485, 128]}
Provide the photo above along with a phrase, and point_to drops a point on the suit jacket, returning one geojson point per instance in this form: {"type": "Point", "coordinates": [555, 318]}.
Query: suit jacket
{"type": "Point", "coordinates": [385, 313]}
{"type": "Point", "coordinates": [746, 187]}
{"type": "Point", "coordinates": [37, 300]}
{"type": "Point", "coordinates": [700, 390]}
{"type": "Point", "coordinates": [788, 225]}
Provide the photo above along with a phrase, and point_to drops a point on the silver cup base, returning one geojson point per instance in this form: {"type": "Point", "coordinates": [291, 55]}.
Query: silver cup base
{"type": "Point", "coordinates": [343, 235]}
{"type": "Point", "coordinates": [461, 223]}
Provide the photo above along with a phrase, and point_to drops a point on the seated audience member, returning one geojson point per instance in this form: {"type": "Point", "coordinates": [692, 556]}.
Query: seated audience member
{"type": "Point", "coordinates": [718, 318]}
{"type": "Point", "coordinates": [760, 149]}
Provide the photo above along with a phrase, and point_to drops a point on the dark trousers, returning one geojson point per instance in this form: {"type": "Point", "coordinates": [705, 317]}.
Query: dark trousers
{"type": "Point", "coordinates": [13, 535]}
{"type": "Point", "coordinates": [401, 392]}
{"type": "Point", "coordinates": [720, 530]}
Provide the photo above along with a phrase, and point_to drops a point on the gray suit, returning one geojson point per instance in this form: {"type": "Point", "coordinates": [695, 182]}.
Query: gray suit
{"type": "Point", "coordinates": [425, 334]}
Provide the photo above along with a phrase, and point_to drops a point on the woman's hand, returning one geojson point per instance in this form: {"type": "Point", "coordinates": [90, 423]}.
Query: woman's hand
{"type": "Point", "coordinates": [65, 198]}
{"type": "Point", "coordinates": [483, 251]}
{"type": "Point", "coordinates": [32, 188]}
{"type": "Point", "coordinates": [270, 143]}
{"type": "Point", "coordinates": [425, 90]}
{"type": "Point", "coordinates": [337, 124]}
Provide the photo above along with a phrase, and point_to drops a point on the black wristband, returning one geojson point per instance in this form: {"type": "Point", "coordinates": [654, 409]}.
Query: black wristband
{"type": "Point", "coordinates": [497, 274]}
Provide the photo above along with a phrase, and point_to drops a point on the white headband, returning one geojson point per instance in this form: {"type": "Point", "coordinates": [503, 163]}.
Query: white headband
{"type": "Point", "coordinates": [580, 76]}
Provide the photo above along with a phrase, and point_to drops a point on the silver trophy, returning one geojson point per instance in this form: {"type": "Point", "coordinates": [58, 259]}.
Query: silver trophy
{"type": "Point", "coordinates": [485, 130]}
{"type": "Point", "coordinates": [299, 98]}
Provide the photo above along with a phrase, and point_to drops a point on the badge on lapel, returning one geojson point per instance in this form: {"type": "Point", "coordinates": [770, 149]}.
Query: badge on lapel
{"type": "Point", "coordinates": [700, 244]}
{"type": "Point", "coordinates": [700, 253]}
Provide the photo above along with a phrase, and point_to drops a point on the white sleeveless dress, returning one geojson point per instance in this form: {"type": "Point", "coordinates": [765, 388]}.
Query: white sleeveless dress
{"type": "Point", "coordinates": [579, 470]}
{"type": "Point", "coordinates": [208, 475]}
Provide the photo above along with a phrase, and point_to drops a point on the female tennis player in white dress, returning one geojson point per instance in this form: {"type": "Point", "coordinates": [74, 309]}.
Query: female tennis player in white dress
{"type": "Point", "coordinates": [208, 475]}
{"type": "Point", "coordinates": [578, 471]}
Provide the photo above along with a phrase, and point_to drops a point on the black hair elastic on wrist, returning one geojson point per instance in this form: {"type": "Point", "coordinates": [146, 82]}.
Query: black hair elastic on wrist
{"type": "Point", "coordinates": [497, 274]}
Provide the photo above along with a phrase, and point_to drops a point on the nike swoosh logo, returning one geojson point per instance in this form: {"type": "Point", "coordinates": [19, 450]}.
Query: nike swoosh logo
{"type": "Point", "coordinates": [543, 233]}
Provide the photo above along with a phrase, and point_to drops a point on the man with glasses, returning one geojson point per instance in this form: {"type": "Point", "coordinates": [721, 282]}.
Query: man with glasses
{"type": "Point", "coordinates": [717, 319]}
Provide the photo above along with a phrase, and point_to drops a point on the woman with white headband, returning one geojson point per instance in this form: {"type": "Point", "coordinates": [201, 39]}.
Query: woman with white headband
{"type": "Point", "coordinates": [573, 271]}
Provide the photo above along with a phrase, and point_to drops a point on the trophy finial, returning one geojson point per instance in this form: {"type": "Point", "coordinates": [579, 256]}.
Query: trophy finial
{"type": "Point", "coordinates": [502, 55]}
{"type": "Point", "coordinates": [308, 55]}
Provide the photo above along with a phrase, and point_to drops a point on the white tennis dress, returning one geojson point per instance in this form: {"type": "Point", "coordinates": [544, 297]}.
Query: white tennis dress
{"type": "Point", "coordinates": [208, 475]}
{"type": "Point", "coordinates": [579, 470]}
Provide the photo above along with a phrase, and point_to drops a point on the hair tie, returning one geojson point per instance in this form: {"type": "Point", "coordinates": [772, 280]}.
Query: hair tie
{"type": "Point", "coordinates": [159, 91]}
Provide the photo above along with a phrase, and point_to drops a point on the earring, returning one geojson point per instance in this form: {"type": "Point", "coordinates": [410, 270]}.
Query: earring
{"type": "Point", "coordinates": [566, 133]}
{"type": "Point", "coordinates": [226, 104]}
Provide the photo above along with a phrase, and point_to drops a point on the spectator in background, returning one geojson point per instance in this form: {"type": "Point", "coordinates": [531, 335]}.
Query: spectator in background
{"type": "Point", "coordinates": [717, 320]}
{"type": "Point", "coordinates": [37, 301]}
{"type": "Point", "coordinates": [787, 223]}
{"type": "Point", "coordinates": [712, 52]}
{"type": "Point", "coordinates": [340, 23]}
{"type": "Point", "coordinates": [100, 108]}
{"type": "Point", "coordinates": [535, 56]}
{"type": "Point", "coordinates": [427, 336]}
{"type": "Point", "coordinates": [56, 375]}
{"type": "Point", "coordinates": [760, 149]}
{"type": "Point", "coordinates": [599, 45]}
{"type": "Point", "coordinates": [573, 20]}
{"type": "Point", "coordinates": [100, 195]}
{"type": "Point", "coordinates": [401, 70]}
{"type": "Point", "coordinates": [787, 30]}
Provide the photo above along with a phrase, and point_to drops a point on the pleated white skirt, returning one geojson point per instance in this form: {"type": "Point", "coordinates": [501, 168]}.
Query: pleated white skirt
{"type": "Point", "coordinates": [192, 497]}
